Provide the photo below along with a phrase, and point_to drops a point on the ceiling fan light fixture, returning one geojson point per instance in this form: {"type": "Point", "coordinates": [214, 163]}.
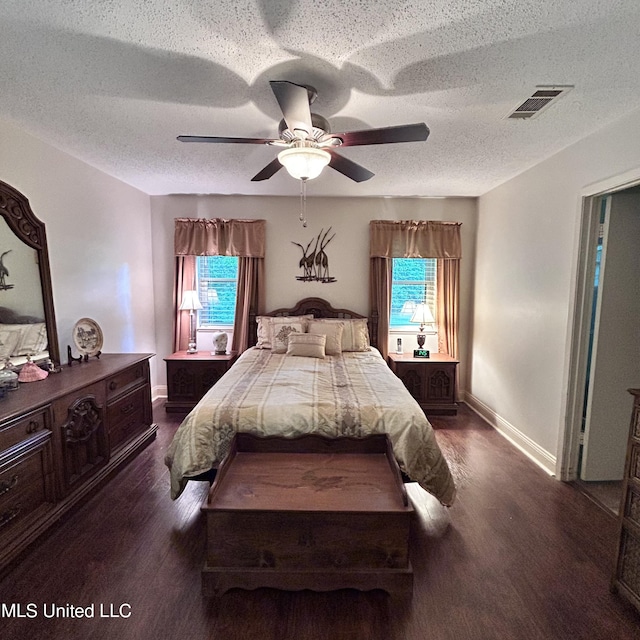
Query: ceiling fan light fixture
{"type": "Point", "coordinates": [304, 163]}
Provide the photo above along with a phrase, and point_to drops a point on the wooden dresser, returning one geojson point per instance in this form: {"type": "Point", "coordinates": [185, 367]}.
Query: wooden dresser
{"type": "Point", "coordinates": [626, 578]}
{"type": "Point", "coordinates": [62, 436]}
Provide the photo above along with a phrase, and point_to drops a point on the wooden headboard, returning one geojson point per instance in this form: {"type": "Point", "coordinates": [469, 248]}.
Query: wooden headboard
{"type": "Point", "coordinates": [320, 308]}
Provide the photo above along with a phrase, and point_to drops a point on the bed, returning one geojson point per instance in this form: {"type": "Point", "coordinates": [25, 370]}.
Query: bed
{"type": "Point", "coordinates": [283, 387]}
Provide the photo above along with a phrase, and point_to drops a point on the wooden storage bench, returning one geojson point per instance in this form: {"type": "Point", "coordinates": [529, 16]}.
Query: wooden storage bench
{"type": "Point", "coordinates": [308, 513]}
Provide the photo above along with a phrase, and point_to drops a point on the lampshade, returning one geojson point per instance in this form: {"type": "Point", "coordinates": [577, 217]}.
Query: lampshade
{"type": "Point", "coordinates": [190, 301]}
{"type": "Point", "coordinates": [304, 163]}
{"type": "Point", "coordinates": [422, 314]}
{"type": "Point", "coordinates": [408, 307]}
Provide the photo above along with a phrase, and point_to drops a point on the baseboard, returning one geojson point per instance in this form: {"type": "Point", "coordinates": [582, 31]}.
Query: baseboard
{"type": "Point", "coordinates": [531, 449]}
{"type": "Point", "coordinates": [159, 391]}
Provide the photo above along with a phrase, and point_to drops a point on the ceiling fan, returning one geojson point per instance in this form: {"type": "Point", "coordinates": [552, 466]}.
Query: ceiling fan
{"type": "Point", "coordinates": [308, 143]}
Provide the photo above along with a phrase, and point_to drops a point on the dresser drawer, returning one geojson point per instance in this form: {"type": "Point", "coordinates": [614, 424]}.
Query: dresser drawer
{"type": "Point", "coordinates": [126, 416]}
{"type": "Point", "coordinates": [25, 487]}
{"type": "Point", "coordinates": [127, 379]}
{"type": "Point", "coordinates": [632, 504]}
{"type": "Point", "coordinates": [23, 428]}
{"type": "Point", "coordinates": [628, 569]}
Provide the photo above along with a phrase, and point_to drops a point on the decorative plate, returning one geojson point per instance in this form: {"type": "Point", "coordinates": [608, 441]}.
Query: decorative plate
{"type": "Point", "coordinates": [87, 336]}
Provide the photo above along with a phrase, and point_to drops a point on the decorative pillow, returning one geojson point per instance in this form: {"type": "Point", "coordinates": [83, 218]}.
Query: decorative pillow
{"type": "Point", "coordinates": [308, 345]}
{"type": "Point", "coordinates": [34, 339]}
{"type": "Point", "coordinates": [8, 342]}
{"type": "Point", "coordinates": [266, 324]}
{"type": "Point", "coordinates": [20, 331]}
{"type": "Point", "coordinates": [333, 333]}
{"type": "Point", "coordinates": [281, 333]}
{"type": "Point", "coordinates": [263, 332]}
{"type": "Point", "coordinates": [355, 335]}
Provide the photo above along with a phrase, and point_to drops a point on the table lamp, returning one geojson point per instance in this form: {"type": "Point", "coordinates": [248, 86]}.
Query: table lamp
{"type": "Point", "coordinates": [191, 303]}
{"type": "Point", "coordinates": [423, 315]}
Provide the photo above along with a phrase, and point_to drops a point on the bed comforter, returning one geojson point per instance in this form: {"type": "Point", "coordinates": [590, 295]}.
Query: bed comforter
{"type": "Point", "coordinates": [271, 394]}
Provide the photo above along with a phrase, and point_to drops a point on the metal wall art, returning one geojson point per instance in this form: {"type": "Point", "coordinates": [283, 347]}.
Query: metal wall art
{"type": "Point", "coordinates": [315, 265]}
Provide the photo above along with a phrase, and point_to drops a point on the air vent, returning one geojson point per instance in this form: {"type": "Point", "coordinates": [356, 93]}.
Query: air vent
{"type": "Point", "coordinates": [541, 98]}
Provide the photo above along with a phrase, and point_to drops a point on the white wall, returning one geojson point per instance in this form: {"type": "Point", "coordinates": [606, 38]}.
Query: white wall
{"type": "Point", "coordinates": [348, 252]}
{"type": "Point", "coordinates": [98, 233]}
{"type": "Point", "coordinates": [528, 236]}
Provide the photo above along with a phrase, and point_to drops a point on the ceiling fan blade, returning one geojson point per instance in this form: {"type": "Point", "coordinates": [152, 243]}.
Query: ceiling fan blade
{"type": "Point", "coordinates": [294, 104]}
{"type": "Point", "coordinates": [403, 133]}
{"type": "Point", "coordinates": [222, 139]}
{"type": "Point", "coordinates": [348, 167]}
{"type": "Point", "coordinates": [273, 167]}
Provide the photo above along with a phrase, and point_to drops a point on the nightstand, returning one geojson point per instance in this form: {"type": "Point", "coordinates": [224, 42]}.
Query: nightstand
{"type": "Point", "coordinates": [190, 376]}
{"type": "Point", "coordinates": [431, 381]}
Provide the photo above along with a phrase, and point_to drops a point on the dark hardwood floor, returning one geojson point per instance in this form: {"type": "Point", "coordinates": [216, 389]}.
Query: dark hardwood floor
{"type": "Point", "coordinates": [519, 556]}
{"type": "Point", "coordinates": [607, 494]}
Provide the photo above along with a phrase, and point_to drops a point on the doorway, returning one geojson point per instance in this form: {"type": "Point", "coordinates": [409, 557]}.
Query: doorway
{"type": "Point", "coordinates": [605, 346]}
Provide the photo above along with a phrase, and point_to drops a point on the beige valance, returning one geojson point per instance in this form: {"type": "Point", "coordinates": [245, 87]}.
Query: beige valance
{"type": "Point", "coordinates": [414, 239]}
{"type": "Point", "coordinates": [218, 237]}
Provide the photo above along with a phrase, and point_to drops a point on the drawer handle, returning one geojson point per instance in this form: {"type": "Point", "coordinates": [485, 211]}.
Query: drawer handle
{"type": "Point", "coordinates": [8, 516]}
{"type": "Point", "coordinates": [7, 485]}
{"type": "Point", "coordinates": [33, 426]}
{"type": "Point", "coordinates": [113, 385]}
{"type": "Point", "coordinates": [128, 409]}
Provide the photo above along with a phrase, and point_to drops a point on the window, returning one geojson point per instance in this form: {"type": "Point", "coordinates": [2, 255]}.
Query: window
{"type": "Point", "coordinates": [413, 280]}
{"type": "Point", "coordinates": [217, 281]}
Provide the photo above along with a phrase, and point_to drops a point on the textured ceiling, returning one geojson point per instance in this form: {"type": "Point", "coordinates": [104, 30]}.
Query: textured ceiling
{"type": "Point", "coordinates": [113, 82]}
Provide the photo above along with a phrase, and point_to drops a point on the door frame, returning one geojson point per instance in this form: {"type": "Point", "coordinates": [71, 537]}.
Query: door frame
{"type": "Point", "coordinates": [589, 230]}
{"type": "Point", "coordinates": [571, 438]}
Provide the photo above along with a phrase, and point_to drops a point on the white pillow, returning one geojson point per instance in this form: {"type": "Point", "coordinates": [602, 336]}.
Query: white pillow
{"type": "Point", "coordinates": [34, 339]}
{"type": "Point", "coordinates": [333, 333]}
{"type": "Point", "coordinates": [266, 324]}
{"type": "Point", "coordinates": [30, 338]}
{"type": "Point", "coordinates": [355, 335]}
{"type": "Point", "coordinates": [281, 333]}
{"type": "Point", "coordinates": [307, 345]}
{"type": "Point", "coordinates": [9, 339]}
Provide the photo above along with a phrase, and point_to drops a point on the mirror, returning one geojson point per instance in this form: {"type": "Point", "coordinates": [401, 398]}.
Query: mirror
{"type": "Point", "coordinates": [27, 319]}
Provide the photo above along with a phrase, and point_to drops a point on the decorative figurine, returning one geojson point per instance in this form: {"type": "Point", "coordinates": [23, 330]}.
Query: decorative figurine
{"type": "Point", "coordinates": [220, 339]}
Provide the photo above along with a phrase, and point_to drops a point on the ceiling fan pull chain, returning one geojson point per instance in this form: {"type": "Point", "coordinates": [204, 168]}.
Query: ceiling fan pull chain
{"type": "Point", "coordinates": [303, 202]}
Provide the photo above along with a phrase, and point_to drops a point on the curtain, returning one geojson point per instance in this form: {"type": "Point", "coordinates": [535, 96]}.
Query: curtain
{"type": "Point", "coordinates": [219, 237]}
{"type": "Point", "coordinates": [185, 280]}
{"type": "Point", "coordinates": [250, 300]}
{"type": "Point", "coordinates": [417, 239]}
{"type": "Point", "coordinates": [448, 303]}
{"type": "Point", "coordinates": [448, 288]}
{"type": "Point", "coordinates": [380, 299]}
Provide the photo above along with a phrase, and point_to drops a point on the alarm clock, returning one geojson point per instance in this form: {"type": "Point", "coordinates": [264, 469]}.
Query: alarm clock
{"type": "Point", "coordinates": [420, 353]}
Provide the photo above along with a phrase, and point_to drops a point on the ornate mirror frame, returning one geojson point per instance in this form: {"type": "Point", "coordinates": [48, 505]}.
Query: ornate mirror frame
{"type": "Point", "coordinates": [15, 209]}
